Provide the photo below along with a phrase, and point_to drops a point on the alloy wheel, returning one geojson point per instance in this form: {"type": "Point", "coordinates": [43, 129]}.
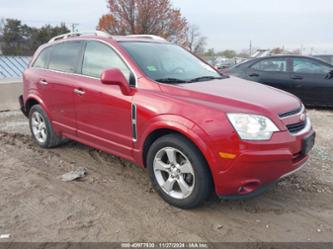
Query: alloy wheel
{"type": "Point", "coordinates": [38, 126]}
{"type": "Point", "coordinates": [174, 173]}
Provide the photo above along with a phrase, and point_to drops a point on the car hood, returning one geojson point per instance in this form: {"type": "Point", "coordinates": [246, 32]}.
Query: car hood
{"type": "Point", "coordinates": [241, 93]}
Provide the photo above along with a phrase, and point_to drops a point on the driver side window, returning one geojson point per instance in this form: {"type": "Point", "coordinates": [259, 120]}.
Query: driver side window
{"type": "Point", "coordinates": [99, 57]}
{"type": "Point", "coordinates": [304, 65]}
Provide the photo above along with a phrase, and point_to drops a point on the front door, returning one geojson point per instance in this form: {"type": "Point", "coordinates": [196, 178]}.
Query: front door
{"type": "Point", "coordinates": [311, 81]}
{"type": "Point", "coordinates": [103, 112]}
{"type": "Point", "coordinates": [272, 72]}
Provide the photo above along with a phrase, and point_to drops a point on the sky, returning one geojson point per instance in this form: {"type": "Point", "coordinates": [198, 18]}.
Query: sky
{"type": "Point", "coordinates": [227, 24]}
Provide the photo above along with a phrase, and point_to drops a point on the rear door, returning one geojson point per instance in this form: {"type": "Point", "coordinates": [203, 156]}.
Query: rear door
{"type": "Point", "coordinates": [103, 112]}
{"type": "Point", "coordinates": [271, 71]}
{"type": "Point", "coordinates": [58, 83]}
{"type": "Point", "coordinates": [310, 81]}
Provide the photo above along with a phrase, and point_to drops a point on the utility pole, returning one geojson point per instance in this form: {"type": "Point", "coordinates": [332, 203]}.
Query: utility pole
{"type": "Point", "coordinates": [250, 48]}
{"type": "Point", "coordinates": [312, 49]}
{"type": "Point", "coordinates": [74, 25]}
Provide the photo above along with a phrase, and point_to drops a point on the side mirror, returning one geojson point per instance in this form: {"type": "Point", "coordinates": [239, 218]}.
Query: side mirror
{"type": "Point", "coordinates": [330, 75]}
{"type": "Point", "coordinates": [116, 77]}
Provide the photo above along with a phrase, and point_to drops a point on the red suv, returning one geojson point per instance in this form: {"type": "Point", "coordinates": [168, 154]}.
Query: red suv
{"type": "Point", "coordinates": [151, 102]}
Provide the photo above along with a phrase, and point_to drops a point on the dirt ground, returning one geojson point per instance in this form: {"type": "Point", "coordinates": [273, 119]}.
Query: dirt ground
{"type": "Point", "coordinates": [115, 201]}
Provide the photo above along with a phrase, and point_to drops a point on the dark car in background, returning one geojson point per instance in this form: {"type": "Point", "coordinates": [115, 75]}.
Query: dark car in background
{"type": "Point", "coordinates": [325, 57]}
{"type": "Point", "coordinates": [308, 78]}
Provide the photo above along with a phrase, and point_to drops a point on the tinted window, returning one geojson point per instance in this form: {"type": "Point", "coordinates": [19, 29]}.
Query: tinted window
{"type": "Point", "coordinates": [65, 56]}
{"type": "Point", "coordinates": [41, 61]}
{"type": "Point", "coordinates": [99, 57]}
{"type": "Point", "coordinates": [325, 58]}
{"type": "Point", "coordinates": [271, 65]}
{"type": "Point", "coordinates": [304, 65]}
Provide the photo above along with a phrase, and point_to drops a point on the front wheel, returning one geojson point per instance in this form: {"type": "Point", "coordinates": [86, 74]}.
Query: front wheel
{"type": "Point", "coordinates": [178, 171]}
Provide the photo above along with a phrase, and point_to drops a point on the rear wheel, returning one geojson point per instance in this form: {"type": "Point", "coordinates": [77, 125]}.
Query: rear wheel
{"type": "Point", "coordinates": [178, 171]}
{"type": "Point", "coordinates": [41, 128]}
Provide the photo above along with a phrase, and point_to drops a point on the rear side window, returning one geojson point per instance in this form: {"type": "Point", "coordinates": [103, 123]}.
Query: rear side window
{"type": "Point", "coordinates": [304, 65]}
{"type": "Point", "coordinates": [99, 57]}
{"type": "Point", "coordinates": [271, 65]}
{"type": "Point", "coordinates": [65, 56]}
{"type": "Point", "coordinates": [42, 59]}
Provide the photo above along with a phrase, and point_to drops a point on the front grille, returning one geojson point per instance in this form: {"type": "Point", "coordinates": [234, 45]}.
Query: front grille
{"type": "Point", "coordinates": [297, 127]}
{"type": "Point", "coordinates": [290, 113]}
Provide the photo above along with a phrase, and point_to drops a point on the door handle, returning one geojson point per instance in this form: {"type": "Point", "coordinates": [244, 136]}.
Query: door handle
{"type": "Point", "coordinates": [296, 77]}
{"type": "Point", "coordinates": [79, 92]}
{"type": "Point", "coordinates": [43, 82]}
{"type": "Point", "coordinates": [254, 75]}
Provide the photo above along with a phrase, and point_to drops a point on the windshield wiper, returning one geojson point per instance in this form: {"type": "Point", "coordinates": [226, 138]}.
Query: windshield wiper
{"type": "Point", "coordinates": [206, 78]}
{"type": "Point", "coordinates": [198, 79]}
{"type": "Point", "coordinates": [171, 80]}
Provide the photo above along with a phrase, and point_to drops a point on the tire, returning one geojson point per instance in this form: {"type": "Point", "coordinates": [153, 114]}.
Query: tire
{"type": "Point", "coordinates": [41, 128]}
{"type": "Point", "coordinates": [174, 180]}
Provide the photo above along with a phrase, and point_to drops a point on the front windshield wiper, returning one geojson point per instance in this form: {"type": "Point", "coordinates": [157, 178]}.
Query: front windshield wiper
{"type": "Point", "coordinates": [198, 79]}
{"type": "Point", "coordinates": [206, 78]}
{"type": "Point", "coordinates": [171, 80]}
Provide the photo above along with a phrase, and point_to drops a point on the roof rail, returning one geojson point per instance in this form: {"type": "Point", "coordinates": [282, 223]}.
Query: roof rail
{"type": "Point", "coordinates": [144, 36]}
{"type": "Point", "coordinates": [74, 34]}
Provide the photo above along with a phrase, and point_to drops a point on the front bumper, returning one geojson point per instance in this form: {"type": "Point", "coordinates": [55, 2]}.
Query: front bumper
{"type": "Point", "coordinates": [261, 189]}
{"type": "Point", "coordinates": [259, 166]}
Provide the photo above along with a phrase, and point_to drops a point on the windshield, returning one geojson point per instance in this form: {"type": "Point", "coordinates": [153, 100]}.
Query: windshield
{"type": "Point", "coordinates": [169, 63]}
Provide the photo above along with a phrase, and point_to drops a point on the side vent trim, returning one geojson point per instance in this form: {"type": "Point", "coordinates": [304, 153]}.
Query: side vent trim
{"type": "Point", "coordinates": [133, 121]}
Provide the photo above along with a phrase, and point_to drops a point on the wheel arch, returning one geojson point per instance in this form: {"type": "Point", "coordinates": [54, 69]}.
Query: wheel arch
{"type": "Point", "coordinates": [30, 103]}
{"type": "Point", "coordinates": [183, 127]}
{"type": "Point", "coordinates": [152, 137]}
{"type": "Point", "coordinates": [32, 100]}
{"type": "Point", "coordinates": [163, 131]}
{"type": "Point", "coordinates": [166, 124]}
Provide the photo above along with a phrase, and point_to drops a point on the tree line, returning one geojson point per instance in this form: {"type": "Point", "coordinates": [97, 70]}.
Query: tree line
{"type": "Point", "coordinates": [17, 38]}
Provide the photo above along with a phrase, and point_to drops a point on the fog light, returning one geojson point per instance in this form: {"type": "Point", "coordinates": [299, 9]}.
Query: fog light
{"type": "Point", "coordinates": [249, 187]}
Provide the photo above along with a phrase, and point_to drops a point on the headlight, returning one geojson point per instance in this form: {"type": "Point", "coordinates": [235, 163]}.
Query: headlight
{"type": "Point", "coordinates": [252, 127]}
